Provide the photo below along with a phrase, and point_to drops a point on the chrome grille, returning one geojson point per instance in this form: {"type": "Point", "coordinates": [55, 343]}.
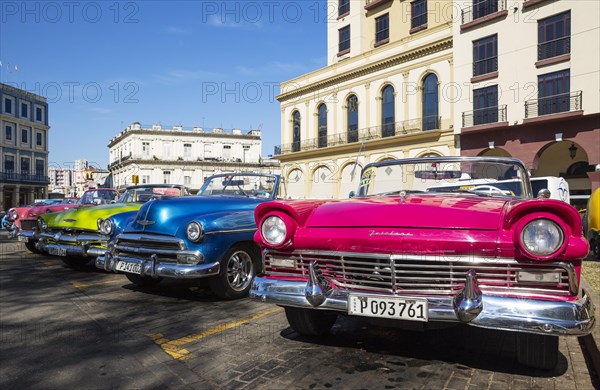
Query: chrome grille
{"type": "Point", "coordinates": [28, 224]}
{"type": "Point", "coordinates": [431, 275]}
{"type": "Point", "coordinates": [141, 246]}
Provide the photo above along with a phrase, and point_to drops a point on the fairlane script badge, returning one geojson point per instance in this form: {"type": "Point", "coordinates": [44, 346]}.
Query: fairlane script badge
{"type": "Point", "coordinates": [392, 233]}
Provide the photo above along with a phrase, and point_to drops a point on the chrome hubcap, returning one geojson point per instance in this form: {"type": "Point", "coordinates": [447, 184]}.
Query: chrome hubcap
{"type": "Point", "coordinates": [239, 270]}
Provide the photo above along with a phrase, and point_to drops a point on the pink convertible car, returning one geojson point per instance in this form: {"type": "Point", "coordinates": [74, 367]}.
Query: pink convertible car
{"type": "Point", "coordinates": [454, 240]}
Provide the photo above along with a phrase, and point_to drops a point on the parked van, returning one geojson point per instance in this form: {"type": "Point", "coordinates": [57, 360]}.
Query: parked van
{"type": "Point", "coordinates": [558, 187]}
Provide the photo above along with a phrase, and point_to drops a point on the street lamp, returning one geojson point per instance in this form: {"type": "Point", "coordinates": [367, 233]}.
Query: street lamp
{"type": "Point", "coordinates": [572, 151]}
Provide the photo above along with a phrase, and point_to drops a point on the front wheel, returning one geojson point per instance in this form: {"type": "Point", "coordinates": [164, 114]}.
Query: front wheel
{"type": "Point", "coordinates": [310, 322]}
{"type": "Point", "coordinates": [238, 267]}
{"type": "Point", "coordinates": [31, 247]}
{"type": "Point", "coordinates": [537, 351]}
{"type": "Point", "coordinates": [143, 281]}
{"type": "Point", "coordinates": [75, 262]}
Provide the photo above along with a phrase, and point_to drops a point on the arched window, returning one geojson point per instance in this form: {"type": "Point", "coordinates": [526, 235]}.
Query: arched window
{"type": "Point", "coordinates": [352, 104]}
{"type": "Point", "coordinates": [430, 102]}
{"type": "Point", "coordinates": [322, 125]}
{"type": "Point", "coordinates": [388, 116]}
{"type": "Point", "coordinates": [296, 131]}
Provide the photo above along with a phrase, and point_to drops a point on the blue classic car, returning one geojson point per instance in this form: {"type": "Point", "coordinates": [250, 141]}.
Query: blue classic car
{"type": "Point", "coordinates": [210, 235]}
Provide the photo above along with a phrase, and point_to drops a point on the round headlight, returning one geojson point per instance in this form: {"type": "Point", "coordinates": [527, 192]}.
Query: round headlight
{"type": "Point", "coordinates": [273, 230]}
{"type": "Point", "coordinates": [42, 224]}
{"type": "Point", "coordinates": [194, 231]}
{"type": "Point", "coordinates": [12, 214]}
{"type": "Point", "coordinates": [542, 237]}
{"type": "Point", "coordinates": [107, 227]}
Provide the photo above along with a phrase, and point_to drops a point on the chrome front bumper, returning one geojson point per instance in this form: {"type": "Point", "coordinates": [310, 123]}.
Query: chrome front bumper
{"type": "Point", "coordinates": [74, 245]}
{"type": "Point", "coordinates": [156, 269]}
{"type": "Point", "coordinates": [469, 306]}
{"type": "Point", "coordinates": [29, 234]}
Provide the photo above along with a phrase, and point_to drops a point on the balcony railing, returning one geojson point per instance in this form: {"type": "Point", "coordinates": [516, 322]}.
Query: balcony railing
{"type": "Point", "coordinates": [554, 48]}
{"type": "Point", "coordinates": [12, 177]}
{"type": "Point", "coordinates": [484, 116]}
{"type": "Point", "coordinates": [403, 128]}
{"type": "Point", "coordinates": [481, 8]}
{"type": "Point", "coordinates": [564, 102]}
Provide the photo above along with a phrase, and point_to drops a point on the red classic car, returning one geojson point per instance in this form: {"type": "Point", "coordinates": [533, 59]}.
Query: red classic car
{"type": "Point", "coordinates": [22, 221]}
{"type": "Point", "coordinates": [431, 241]}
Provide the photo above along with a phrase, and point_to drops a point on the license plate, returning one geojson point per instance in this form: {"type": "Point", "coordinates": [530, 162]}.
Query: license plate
{"type": "Point", "coordinates": [132, 268]}
{"type": "Point", "coordinates": [388, 307]}
{"type": "Point", "coordinates": [22, 239]}
{"type": "Point", "coordinates": [57, 251]}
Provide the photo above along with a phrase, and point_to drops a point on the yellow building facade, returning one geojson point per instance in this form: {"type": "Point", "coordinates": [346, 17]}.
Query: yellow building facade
{"type": "Point", "coordinates": [386, 93]}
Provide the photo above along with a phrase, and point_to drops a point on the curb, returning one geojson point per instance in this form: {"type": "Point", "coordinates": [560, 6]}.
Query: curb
{"type": "Point", "coordinates": [592, 340]}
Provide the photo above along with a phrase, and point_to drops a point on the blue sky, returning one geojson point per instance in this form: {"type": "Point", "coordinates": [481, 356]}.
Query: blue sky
{"type": "Point", "coordinates": [103, 65]}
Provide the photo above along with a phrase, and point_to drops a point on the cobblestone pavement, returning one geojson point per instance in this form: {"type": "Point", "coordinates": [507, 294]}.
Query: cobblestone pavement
{"type": "Point", "coordinates": [89, 329]}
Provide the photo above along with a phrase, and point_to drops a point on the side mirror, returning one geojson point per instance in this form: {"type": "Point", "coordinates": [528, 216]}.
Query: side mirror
{"type": "Point", "coordinates": [352, 194]}
{"type": "Point", "coordinates": [544, 193]}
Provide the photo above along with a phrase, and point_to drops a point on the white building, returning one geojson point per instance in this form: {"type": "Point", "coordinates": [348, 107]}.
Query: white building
{"type": "Point", "coordinates": [61, 180]}
{"type": "Point", "coordinates": [178, 155]}
{"type": "Point", "coordinates": [383, 95]}
{"type": "Point", "coordinates": [529, 73]}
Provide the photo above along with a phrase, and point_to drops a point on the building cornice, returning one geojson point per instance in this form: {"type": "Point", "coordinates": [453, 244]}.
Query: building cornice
{"type": "Point", "coordinates": [186, 164]}
{"type": "Point", "coordinates": [176, 133]}
{"type": "Point", "coordinates": [420, 52]}
{"type": "Point", "coordinates": [24, 122]}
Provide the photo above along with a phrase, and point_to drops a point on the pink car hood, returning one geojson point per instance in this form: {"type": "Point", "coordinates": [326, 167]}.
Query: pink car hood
{"type": "Point", "coordinates": [414, 211]}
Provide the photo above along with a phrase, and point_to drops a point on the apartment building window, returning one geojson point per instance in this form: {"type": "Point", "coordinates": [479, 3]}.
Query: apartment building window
{"type": "Point", "coordinates": [207, 151]}
{"type": "Point", "coordinates": [145, 179]}
{"type": "Point", "coordinates": [9, 163]}
{"type": "Point", "coordinates": [296, 131]}
{"type": "Point", "coordinates": [388, 115]}
{"type": "Point", "coordinates": [187, 180]}
{"type": "Point", "coordinates": [553, 92]}
{"type": "Point", "coordinates": [482, 8]}
{"type": "Point", "coordinates": [39, 114]}
{"type": "Point", "coordinates": [167, 150]}
{"type": "Point", "coordinates": [418, 9]}
{"type": "Point", "coordinates": [430, 102]}
{"type": "Point", "coordinates": [322, 126]}
{"type": "Point", "coordinates": [8, 133]}
{"type": "Point", "coordinates": [25, 165]}
{"type": "Point", "coordinates": [485, 105]}
{"type": "Point", "coordinates": [352, 104]}
{"type": "Point", "coordinates": [166, 177]}
{"type": "Point", "coordinates": [343, 8]}
{"type": "Point", "coordinates": [187, 150]}
{"type": "Point", "coordinates": [344, 40]}
{"type": "Point", "coordinates": [554, 36]}
{"type": "Point", "coordinates": [146, 149]}
{"type": "Point", "coordinates": [40, 168]}
{"type": "Point", "coordinates": [24, 110]}
{"type": "Point", "coordinates": [24, 135]}
{"type": "Point", "coordinates": [485, 55]}
{"type": "Point", "coordinates": [382, 29]}
{"type": "Point", "coordinates": [8, 104]}
{"type": "Point", "coordinates": [227, 152]}
{"type": "Point", "coordinates": [38, 139]}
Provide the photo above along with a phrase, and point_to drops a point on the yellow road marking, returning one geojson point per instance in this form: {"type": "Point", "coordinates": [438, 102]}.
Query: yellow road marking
{"type": "Point", "coordinates": [77, 284]}
{"type": "Point", "coordinates": [173, 347]}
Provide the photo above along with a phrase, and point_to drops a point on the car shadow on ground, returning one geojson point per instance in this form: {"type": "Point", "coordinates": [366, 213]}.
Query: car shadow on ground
{"type": "Point", "coordinates": [187, 290]}
{"type": "Point", "coordinates": [464, 345]}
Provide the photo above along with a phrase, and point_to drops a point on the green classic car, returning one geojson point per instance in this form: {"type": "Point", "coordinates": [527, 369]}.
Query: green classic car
{"type": "Point", "coordinates": [79, 235]}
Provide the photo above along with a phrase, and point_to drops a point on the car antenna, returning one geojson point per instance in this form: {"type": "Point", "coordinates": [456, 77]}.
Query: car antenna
{"type": "Point", "coordinates": [360, 151]}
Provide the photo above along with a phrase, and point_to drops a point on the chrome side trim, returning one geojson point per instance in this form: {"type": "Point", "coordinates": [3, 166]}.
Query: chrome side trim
{"type": "Point", "coordinates": [231, 231]}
